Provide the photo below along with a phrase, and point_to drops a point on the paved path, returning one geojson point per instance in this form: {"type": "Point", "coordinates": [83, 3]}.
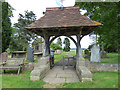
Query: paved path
{"type": "Point", "coordinates": [58, 75]}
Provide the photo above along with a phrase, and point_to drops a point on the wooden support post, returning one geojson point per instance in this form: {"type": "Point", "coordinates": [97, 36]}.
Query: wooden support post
{"type": "Point", "coordinates": [68, 61]}
{"type": "Point", "coordinates": [18, 70]}
{"type": "Point", "coordinates": [46, 49]}
{"type": "Point", "coordinates": [63, 63]}
{"type": "Point", "coordinates": [79, 50]}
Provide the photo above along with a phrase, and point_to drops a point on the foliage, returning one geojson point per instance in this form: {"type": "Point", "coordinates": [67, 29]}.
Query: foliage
{"type": "Point", "coordinates": [110, 80]}
{"type": "Point", "coordinates": [55, 46]}
{"type": "Point", "coordinates": [6, 25]}
{"type": "Point", "coordinates": [108, 14]}
{"type": "Point", "coordinates": [67, 45]}
{"type": "Point", "coordinates": [59, 41]}
{"type": "Point", "coordinates": [22, 37]}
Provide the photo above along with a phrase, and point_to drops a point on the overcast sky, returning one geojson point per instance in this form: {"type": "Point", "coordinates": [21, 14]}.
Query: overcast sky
{"type": "Point", "coordinates": [38, 7]}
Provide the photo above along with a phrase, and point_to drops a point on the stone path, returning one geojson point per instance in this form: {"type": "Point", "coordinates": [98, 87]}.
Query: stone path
{"type": "Point", "coordinates": [57, 75]}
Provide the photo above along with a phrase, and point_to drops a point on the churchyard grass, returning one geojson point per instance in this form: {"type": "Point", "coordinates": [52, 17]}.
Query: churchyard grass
{"type": "Point", "coordinates": [112, 58]}
{"type": "Point", "coordinates": [0, 80]}
{"type": "Point", "coordinates": [11, 80]}
{"type": "Point", "coordinates": [58, 57]}
{"type": "Point", "coordinates": [100, 80]}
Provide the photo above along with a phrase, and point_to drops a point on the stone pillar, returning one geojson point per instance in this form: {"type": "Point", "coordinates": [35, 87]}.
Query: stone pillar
{"type": "Point", "coordinates": [46, 49]}
{"type": "Point", "coordinates": [83, 73]}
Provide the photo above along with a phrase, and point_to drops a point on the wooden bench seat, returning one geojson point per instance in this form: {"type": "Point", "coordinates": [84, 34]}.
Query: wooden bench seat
{"type": "Point", "coordinates": [13, 64]}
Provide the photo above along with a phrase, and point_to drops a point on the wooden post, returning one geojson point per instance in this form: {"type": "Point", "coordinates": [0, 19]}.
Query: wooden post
{"type": "Point", "coordinates": [68, 61]}
{"type": "Point", "coordinates": [46, 49]}
{"type": "Point", "coordinates": [79, 50]}
{"type": "Point", "coordinates": [63, 62]}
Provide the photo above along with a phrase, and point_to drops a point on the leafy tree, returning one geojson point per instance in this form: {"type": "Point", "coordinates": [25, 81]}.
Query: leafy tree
{"type": "Point", "coordinates": [6, 25]}
{"type": "Point", "coordinates": [67, 45]}
{"type": "Point", "coordinates": [59, 41]}
{"type": "Point", "coordinates": [55, 46]}
{"type": "Point", "coordinates": [22, 37]}
{"type": "Point", "coordinates": [107, 13]}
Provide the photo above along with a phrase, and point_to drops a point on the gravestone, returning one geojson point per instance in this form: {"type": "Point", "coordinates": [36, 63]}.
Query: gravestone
{"type": "Point", "coordinates": [30, 55]}
{"type": "Point", "coordinates": [86, 53]}
{"type": "Point", "coordinates": [95, 53]}
{"type": "Point", "coordinates": [103, 53]}
{"type": "Point", "coordinates": [4, 56]}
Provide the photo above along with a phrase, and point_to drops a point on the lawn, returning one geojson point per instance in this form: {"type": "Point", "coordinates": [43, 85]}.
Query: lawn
{"type": "Point", "coordinates": [0, 81]}
{"type": "Point", "coordinates": [58, 57]}
{"type": "Point", "coordinates": [112, 57]}
{"type": "Point", "coordinates": [100, 80]}
{"type": "Point", "coordinates": [20, 81]}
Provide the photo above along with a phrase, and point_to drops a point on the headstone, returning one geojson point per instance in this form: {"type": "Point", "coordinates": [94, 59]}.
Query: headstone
{"type": "Point", "coordinates": [4, 56]}
{"type": "Point", "coordinates": [86, 53]}
{"type": "Point", "coordinates": [102, 52]}
{"type": "Point", "coordinates": [95, 53]}
{"type": "Point", "coordinates": [30, 55]}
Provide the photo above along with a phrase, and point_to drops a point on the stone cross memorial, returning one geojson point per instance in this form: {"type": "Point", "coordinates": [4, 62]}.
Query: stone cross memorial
{"type": "Point", "coordinates": [95, 53]}
{"type": "Point", "coordinates": [30, 55]}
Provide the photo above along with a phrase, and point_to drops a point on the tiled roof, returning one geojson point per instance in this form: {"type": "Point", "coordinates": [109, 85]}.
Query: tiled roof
{"type": "Point", "coordinates": [68, 17]}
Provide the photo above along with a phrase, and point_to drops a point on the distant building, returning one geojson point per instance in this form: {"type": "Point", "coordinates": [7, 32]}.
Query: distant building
{"type": "Point", "coordinates": [38, 45]}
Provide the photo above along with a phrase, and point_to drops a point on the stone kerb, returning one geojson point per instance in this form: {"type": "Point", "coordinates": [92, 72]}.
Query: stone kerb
{"type": "Point", "coordinates": [83, 72]}
{"type": "Point", "coordinates": [40, 69]}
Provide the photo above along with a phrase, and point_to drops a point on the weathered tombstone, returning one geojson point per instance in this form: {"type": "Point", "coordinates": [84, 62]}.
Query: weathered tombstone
{"type": "Point", "coordinates": [86, 53]}
{"type": "Point", "coordinates": [30, 55]}
{"type": "Point", "coordinates": [4, 56]}
{"type": "Point", "coordinates": [95, 53]}
{"type": "Point", "coordinates": [102, 52]}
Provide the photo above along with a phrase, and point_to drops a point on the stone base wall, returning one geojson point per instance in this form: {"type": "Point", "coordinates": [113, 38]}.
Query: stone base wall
{"type": "Point", "coordinates": [29, 66]}
{"type": "Point", "coordinates": [83, 72]}
{"type": "Point", "coordinates": [40, 69]}
{"type": "Point", "coordinates": [101, 66]}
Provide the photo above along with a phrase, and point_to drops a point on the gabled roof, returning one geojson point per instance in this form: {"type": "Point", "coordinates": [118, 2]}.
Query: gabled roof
{"type": "Point", "coordinates": [69, 17]}
{"type": "Point", "coordinates": [56, 18]}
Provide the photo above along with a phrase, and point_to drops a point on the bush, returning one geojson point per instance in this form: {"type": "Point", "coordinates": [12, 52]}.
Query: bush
{"type": "Point", "coordinates": [55, 46]}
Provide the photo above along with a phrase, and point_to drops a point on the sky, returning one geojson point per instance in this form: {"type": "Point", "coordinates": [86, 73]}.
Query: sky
{"type": "Point", "coordinates": [38, 7]}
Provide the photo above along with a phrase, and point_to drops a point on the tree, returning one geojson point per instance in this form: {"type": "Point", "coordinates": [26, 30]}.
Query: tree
{"type": "Point", "coordinates": [55, 46]}
{"type": "Point", "coordinates": [67, 45]}
{"type": "Point", "coordinates": [107, 13]}
{"type": "Point", "coordinates": [59, 41]}
{"type": "Point", "coordinates": [6, 25]}
{"type": "Point", "coordinates": [22, 37]}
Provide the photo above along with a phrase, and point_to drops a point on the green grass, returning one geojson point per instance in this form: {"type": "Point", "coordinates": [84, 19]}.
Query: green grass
{"type": "Point", "coordinates": [112, 58]}
{"type": "Point", "coordinates": [73, 52]}
{"type": "Point", "coordinates": [20, 81]}
{"type": "Point", "coordinates": [100, 80]}
{"type": "Point", "coordinates": [0, 81]}
{"type": "Point", "coordinates": [58, 57]}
